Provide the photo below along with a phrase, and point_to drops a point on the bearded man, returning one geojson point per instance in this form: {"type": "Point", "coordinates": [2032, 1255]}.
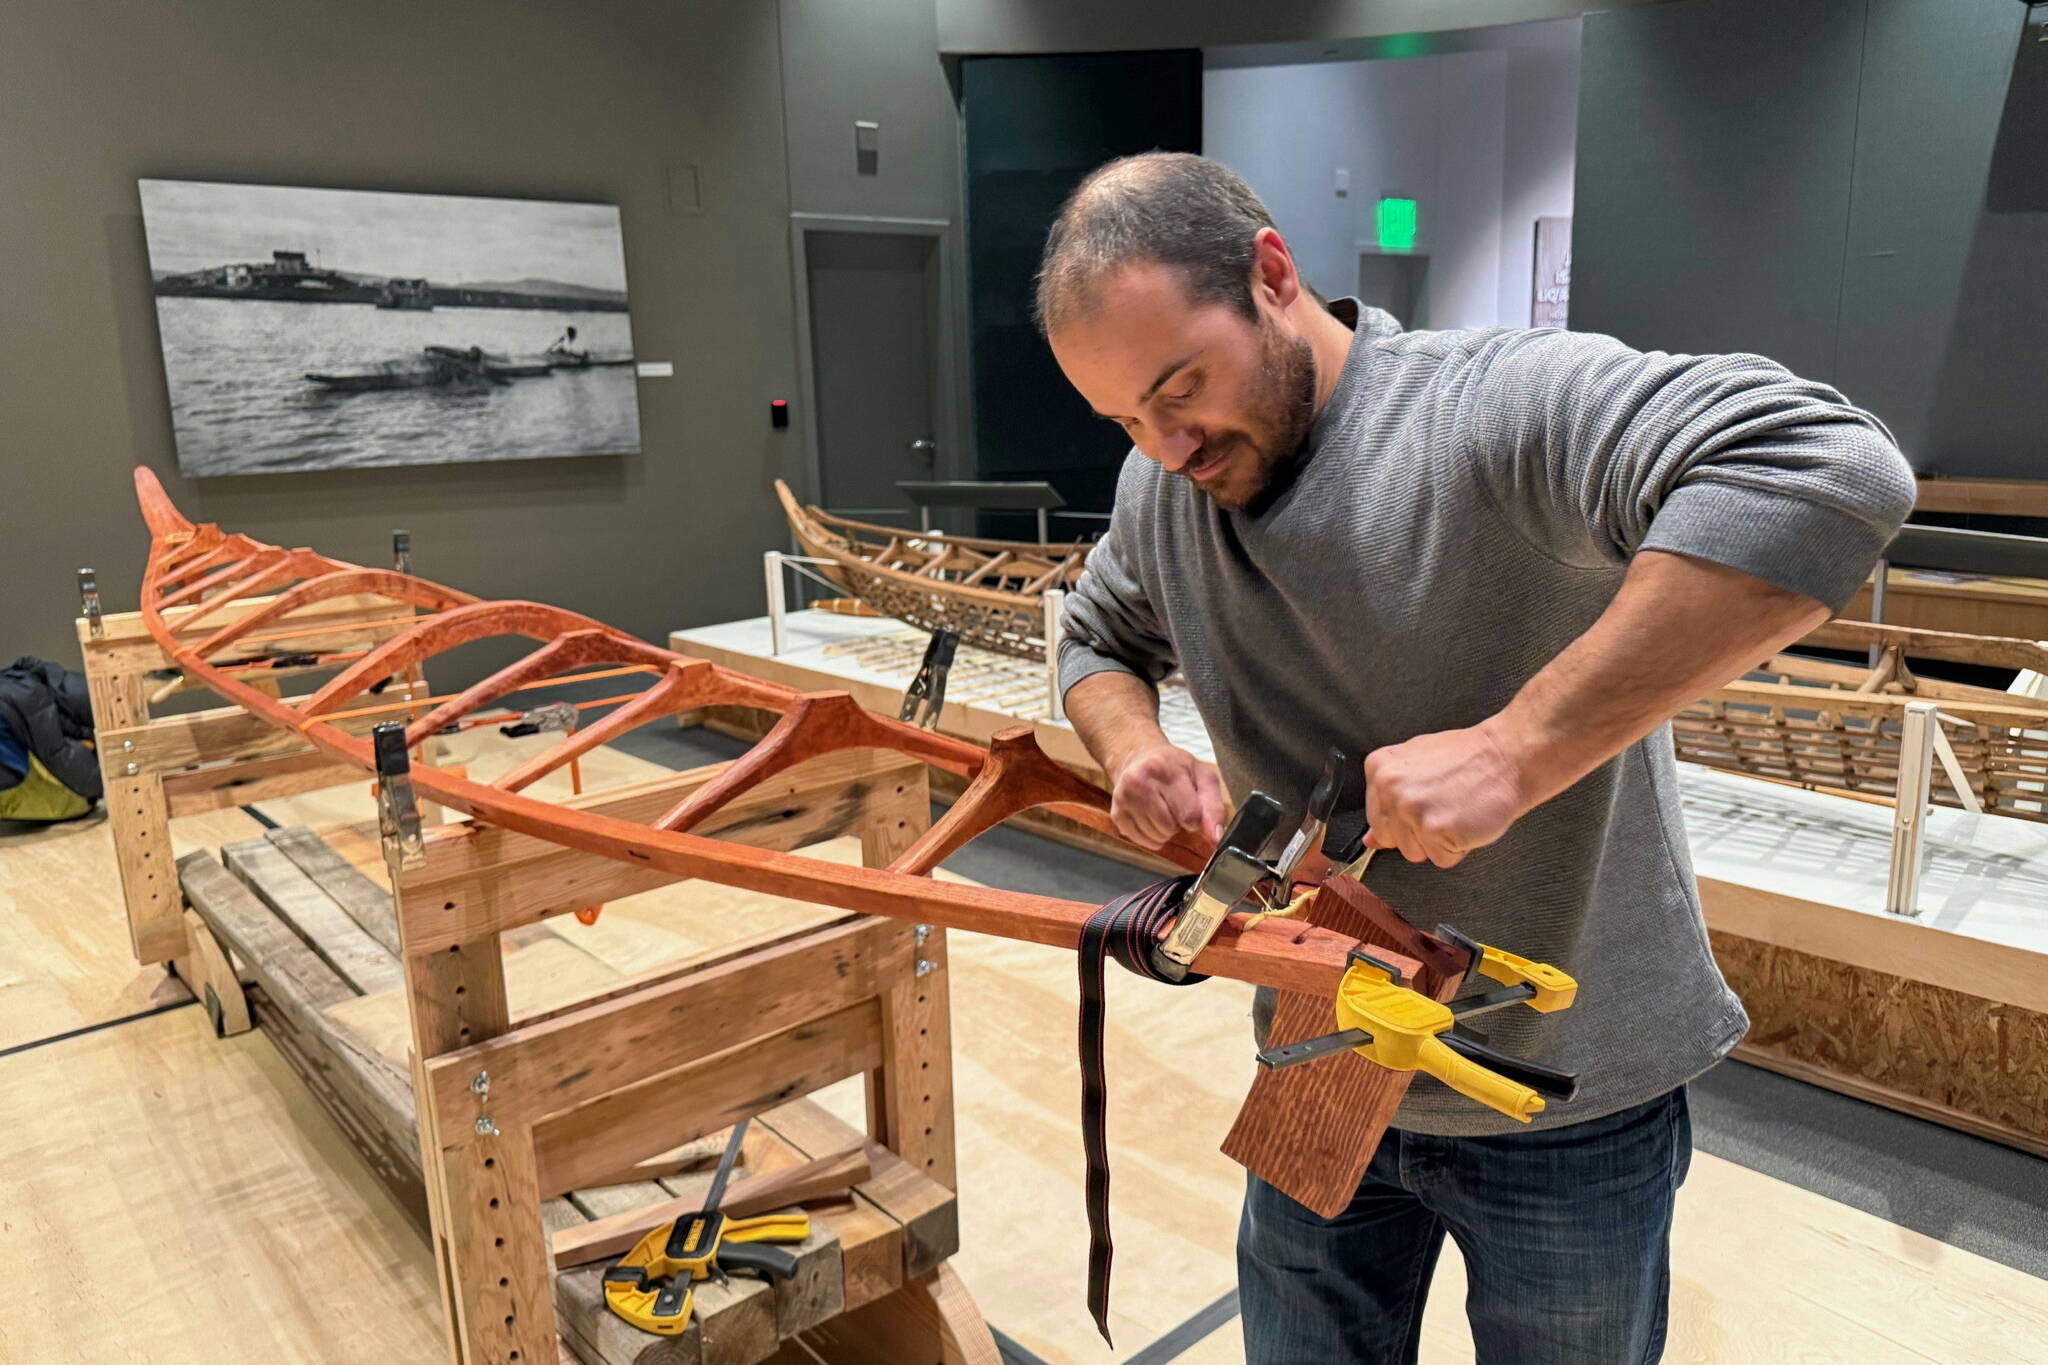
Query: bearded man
{"type": "Point", "coordinates": [1498, 562]}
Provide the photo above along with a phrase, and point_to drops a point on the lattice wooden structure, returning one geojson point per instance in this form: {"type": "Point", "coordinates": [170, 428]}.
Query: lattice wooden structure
{"type": "Point", "coordinates": [1836, 726]}
{"type": "Point", "coordinates": [225, 611]}
{"type": "Point", "coordinates": [991, 591]}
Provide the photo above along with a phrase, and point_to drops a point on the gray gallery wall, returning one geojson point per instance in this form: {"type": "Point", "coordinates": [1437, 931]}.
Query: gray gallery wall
{"type": "Point", "coordinates": [1818, 182]}
{"type": "Point", "coordinates": [579, 102]}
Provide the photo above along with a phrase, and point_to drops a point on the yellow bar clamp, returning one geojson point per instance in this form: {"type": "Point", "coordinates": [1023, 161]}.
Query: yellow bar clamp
{"type": "Point", "coordinates": [1554, 990]}
{"type": "Point", "coordinates": [1404, 1025]}
{"type": "Point", "coordinates": [652, 1286]}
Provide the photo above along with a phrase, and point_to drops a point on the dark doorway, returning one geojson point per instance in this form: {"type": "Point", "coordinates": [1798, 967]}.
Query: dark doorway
{"type": "Point", "coordinates": [874, 324]}
{"type": "Point", "coordinates": [1034, 127]}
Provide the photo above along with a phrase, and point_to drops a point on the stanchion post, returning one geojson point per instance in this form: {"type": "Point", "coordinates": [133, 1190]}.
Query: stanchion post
{"type": "Point", "coordinates": [771, 565]}
{"type": "Point", "coordinates": [1909, 823]}
{"type": "Point", "coordinates": [1055, 600]}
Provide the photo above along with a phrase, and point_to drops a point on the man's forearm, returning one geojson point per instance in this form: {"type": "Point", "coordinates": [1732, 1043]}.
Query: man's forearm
{"type": "Point", "coordinates": [1116, 715]}
{"type": "Point", "coordinates": [1678, 629]}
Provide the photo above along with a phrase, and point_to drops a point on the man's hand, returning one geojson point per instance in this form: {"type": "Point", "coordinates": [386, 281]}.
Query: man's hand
{"type": "Point", "coordinates": [1438, 797]}
{"type": "Point", "coordinates": [1159, 791]}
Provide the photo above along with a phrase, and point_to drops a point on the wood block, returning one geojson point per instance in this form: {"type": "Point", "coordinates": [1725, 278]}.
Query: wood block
{"type": "Point", "coordinates": [312, 914]}
{"type": "Point", "coordinates": [1310, 1131]}
{"type": "Point", "coordinates": [205, 969]}
{"type": "Point", "coordinates": [601, 1337]}
{"type": "Point", "coordinates": [365, 902]}
{"type": "Point", "coordinates": [916, 1222]}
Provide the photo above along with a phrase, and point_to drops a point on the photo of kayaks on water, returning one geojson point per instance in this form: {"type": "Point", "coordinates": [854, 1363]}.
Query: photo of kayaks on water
{"type": "Point", "coordinates": [319, 329]}
{"type": "Point", "coordinates": [451, 367]}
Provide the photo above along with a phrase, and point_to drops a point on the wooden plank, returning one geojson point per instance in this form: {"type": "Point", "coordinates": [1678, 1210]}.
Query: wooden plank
{"type": "Point", "coordinates": [212, 736]}
{"type": "Point", "coordinates": [259, 779]}
{"type": "Point", "coordinates": [481, 879]}
{"type": "Point", "coordinates": [581, 1057]}
{"type": "Point", "coordinates": [1311, 1131]}
{"type": "Point", "coordinates": [142, 852]}
{"type": "Point", "coordinates": [365, 902]}
{"type": "Point", "coordinates": [612, 1234]}
{"type": "Point", "coordinates": [706, 1096]}
{"type": "Point", "coordinates": [266, 947]}
{"type": "Point", "coordinates": [700, 1155]}
{"type": "Point", "coordinates": [326, 928]}
{"type": "Point", "coordinates": [1995, 497]}
{"type": "Point", "coordinates": [205, 970]}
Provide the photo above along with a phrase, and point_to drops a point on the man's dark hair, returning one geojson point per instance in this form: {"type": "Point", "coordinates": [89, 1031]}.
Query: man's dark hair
{"type": "Point", "coordinates": [1193, 215]}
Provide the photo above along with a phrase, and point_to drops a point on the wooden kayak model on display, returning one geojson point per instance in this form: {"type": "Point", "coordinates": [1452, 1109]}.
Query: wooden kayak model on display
{"type": "Point", "coordinates": [1836, 726]}
{"type": "Point", "coordinates": [195, 571]}
{"type": "Point", "coordinates": [990, 591]}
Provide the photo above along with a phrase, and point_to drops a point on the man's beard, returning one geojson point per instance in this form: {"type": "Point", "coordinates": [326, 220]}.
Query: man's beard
{"type": "Point", "coordinates": [1282, 409]}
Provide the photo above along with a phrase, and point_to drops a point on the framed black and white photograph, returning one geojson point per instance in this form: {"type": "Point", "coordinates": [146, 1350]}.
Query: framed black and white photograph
{"type": "Point", "coordinates": [338, 329]}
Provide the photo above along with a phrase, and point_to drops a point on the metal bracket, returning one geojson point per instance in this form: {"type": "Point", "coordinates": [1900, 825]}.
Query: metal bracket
{"type": "Point", "coordinates": [401, 551]}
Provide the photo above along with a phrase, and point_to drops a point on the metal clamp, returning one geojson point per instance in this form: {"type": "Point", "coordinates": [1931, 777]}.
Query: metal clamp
{"type": "Point", "coordinates": [398, 809]}
{"type": "Point", "coordinates": [89, 602]}
{"type": "Point", "coordinates": [925, 698]}
{"type": "Point", "coordinates": [556, 715]}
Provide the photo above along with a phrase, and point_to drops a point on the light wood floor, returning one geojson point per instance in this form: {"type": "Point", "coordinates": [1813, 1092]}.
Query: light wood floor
{"type": "Point", "coordinates": [197, 1184]}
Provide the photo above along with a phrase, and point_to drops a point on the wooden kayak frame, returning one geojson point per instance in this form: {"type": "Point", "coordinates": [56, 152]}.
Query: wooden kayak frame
{"type": "Point", "coordinates": [206, 570]}
{"type": "Point", "coordinates": [233, 615]}
{"type": "Point", "coordinates": [992, 592]}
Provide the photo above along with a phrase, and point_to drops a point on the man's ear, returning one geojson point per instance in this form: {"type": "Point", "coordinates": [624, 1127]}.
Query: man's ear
{"type": "Point", "coordinates": [1274, 277]}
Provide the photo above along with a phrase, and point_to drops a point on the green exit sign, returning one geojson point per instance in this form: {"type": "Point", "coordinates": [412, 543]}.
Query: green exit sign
{"type": "Point", "coordinates": [1397, 224]}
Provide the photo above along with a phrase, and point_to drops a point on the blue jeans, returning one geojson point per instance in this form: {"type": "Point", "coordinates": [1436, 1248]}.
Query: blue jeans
{"type": "Point", "coordinates": [1566, 1235]}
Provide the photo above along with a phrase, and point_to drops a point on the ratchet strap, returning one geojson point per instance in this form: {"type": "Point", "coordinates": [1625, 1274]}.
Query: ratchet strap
{"type": "Point", "coordinates": [1126, 929]}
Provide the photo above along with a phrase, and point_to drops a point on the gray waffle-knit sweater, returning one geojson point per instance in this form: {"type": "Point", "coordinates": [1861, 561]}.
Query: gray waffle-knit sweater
{"type": "Point", "coordinates": [1464, 508]}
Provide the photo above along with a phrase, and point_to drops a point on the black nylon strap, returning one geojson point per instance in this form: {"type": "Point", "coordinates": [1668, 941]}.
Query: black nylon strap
{"type": "Point", "coordinates": [1125, 929]}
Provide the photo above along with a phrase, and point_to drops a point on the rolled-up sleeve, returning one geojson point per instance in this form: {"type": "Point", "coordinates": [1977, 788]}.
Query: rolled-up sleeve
{"type": "Point", "coordinates": [1111, 625]}
{"type": "Point", "coordinates": [1602, 451]}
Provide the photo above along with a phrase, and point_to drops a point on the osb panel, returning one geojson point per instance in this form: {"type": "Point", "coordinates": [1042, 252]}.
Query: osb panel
{"type": "Point", "coordinates": [1943, 1046]}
